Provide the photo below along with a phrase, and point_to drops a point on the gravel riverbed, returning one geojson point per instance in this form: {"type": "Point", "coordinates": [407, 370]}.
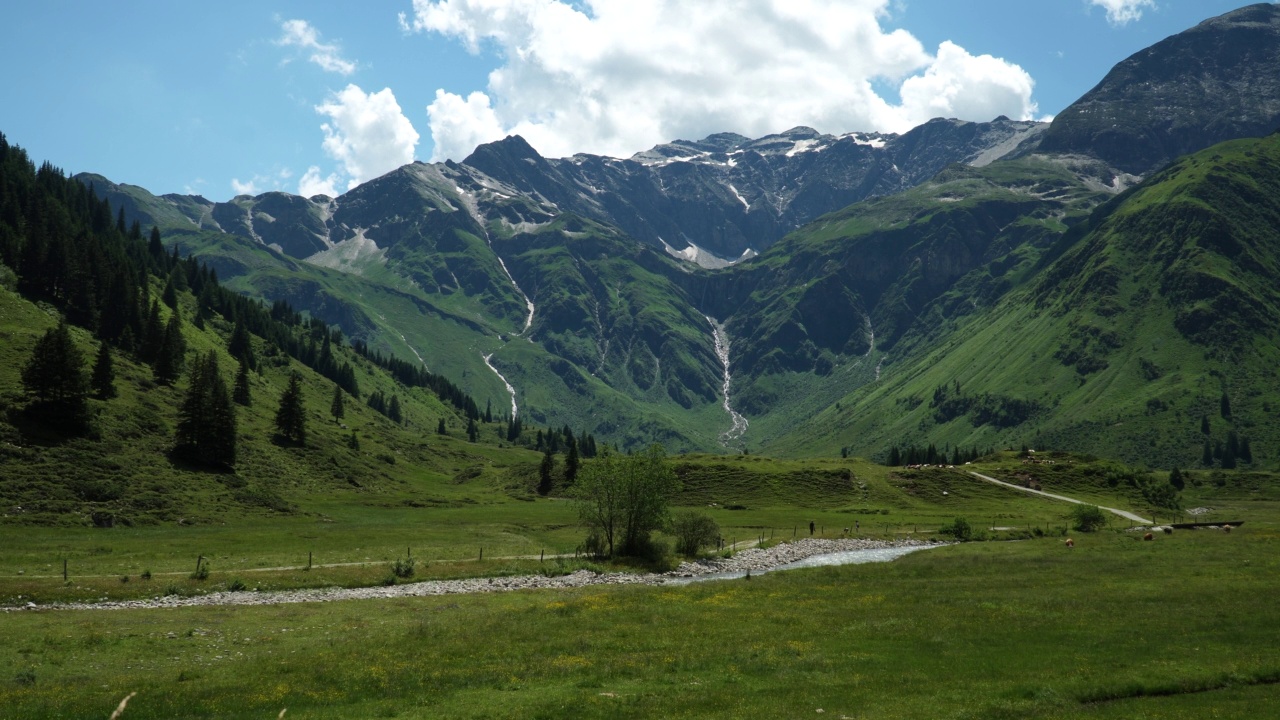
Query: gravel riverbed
{"type": "Point", "coordinates": [754, 559]}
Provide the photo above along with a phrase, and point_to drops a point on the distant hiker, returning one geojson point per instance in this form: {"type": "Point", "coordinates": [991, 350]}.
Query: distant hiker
{"type": "Point", "coordinates": [810, 527]}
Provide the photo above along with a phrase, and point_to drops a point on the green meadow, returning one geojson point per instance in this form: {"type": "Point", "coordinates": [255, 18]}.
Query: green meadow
{"type": "Point", "coordinates": [1015, 626]}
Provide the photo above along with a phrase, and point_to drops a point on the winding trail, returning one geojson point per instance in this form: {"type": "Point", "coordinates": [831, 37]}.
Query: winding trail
{"type": "Point", "coordinates": [1122, 513]}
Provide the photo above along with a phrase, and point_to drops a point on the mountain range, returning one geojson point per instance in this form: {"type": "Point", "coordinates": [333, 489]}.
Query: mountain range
{"type": "Point", "coordinates": [1099, 282]}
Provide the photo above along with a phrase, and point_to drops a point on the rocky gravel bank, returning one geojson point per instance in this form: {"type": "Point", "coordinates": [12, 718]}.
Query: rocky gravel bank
{"type": "Point", "coordinates": [755, 559]}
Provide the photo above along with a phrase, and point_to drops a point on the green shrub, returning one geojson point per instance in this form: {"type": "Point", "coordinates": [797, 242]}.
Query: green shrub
{"type": "Point", "coordinates": [1087, 518]}
{"type": "Point", "coordinates": [402, 568]}
{"type": "Point", "coordinates": [694, 531]}
{"type": "Point", "coordinates": [146, 575]}
{"type": "Point", "coordinates": [959, 529]}
{"type": "Point", "coordinates": [236, 585]}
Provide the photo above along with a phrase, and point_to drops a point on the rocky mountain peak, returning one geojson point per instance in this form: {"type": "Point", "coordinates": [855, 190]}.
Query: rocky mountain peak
{"type": "Point", "coordinates": [1216, 81]}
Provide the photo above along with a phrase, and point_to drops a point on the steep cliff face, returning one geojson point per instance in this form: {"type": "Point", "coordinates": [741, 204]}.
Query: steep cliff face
{"type": "Point", "coordinates": [1217, 81]}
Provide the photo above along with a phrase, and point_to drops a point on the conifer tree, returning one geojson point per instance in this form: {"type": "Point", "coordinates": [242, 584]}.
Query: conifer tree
{"type": "Point", "coordinates": [170, 294]}
{"type": "Point", "coordinates": [336, 408]}
{"type": "Point", "coordinates": [241, 394]}
{"type": "Point", "coordinates": [472, 430]}
{"type": "Point", "coordinates": [1246, 454]}
{"type": "Point", "coordinates": [1206, 458]}
{"type": "Point", "coordinates": [154, 246]}
{"type": "Point", "coordinates": [1225, 406]}
{"type": "Point", "coordinates": [54, 375]}
{"type": "Point", "coordinates": [488, 411]}
{"type": "Point", "coordinates": [206, 433]}
{"type": "Point", "coordinates": [240, 346]}
{"type": "Point", "coordinates": [544, 472]}
{"type": "Point", "coordinates": [571, 462]}
{"type": "Point", "coordinates": [440, 429]}
{"type": "Point", "coordinates": [291, 418]}
{"type": "Point", "coordinates": [393, 410]}
{"type": "Point", "coordinates": [173, 350]}
{"type": "Point", "coordinates": [1175, 478]}
{"type": "Point", "coordinates": [152, 335]}
{"type": "Point", "coordinates": [103, 381]}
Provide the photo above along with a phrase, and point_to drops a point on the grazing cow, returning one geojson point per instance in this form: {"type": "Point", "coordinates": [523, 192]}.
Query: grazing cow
{"type": "Point", "coordinates": [1167, 530]}
{"type": "Point", "coordinates": [1070, 543]}
{"type": "Point", "coordinates": [1148, 536]}
{"type": "Point", "coordinates": [1226, 528]}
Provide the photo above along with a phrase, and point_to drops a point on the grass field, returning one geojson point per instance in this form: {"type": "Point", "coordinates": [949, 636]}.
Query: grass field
{"type": "Point", "coordinates": [1177, 628]}
{"type": "Point", "coordinates": [350, 538]}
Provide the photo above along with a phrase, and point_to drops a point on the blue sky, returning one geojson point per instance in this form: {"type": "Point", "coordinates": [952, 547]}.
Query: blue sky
{"type": "Point", "coordinates": [216, 99]}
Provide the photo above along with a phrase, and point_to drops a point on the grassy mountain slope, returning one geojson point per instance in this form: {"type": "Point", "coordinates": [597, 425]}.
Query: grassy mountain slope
{"type": "Point", "coordinates": [816, 315]}
{"type": "Point", "coordinates": [122, 469]}
{"type": "Point", "coordinates": [1132, 331]}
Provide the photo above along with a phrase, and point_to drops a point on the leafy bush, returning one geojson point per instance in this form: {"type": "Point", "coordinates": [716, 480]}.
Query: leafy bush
{"type": "Point", "coordinates": [1087, 518]}
{"type": "Point", "coordinates": [694, 531]}
{"type": "Point", "coordinates": [236, 585]}
{"type": "Point", "coordinates": [402, 568]}
{"type": "Point", "coordinates": [202, 570]}
{"type": "Point", "coordinates": [146, 575]}
{"type": "Point", "coordinates": [959, 529]}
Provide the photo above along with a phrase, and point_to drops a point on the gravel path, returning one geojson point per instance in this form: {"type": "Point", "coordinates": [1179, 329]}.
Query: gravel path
{"type": "Point", "coordinates": [1122, 513]}
{"type": "Point", "coordinates": [752, 559]}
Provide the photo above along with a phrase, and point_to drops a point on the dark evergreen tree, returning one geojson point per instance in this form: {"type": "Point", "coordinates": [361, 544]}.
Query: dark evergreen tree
{"type": "Point", "coordinates": [241, 394]}
{"type": "Point", "coordinates": [291, 419]}
{"type": "Point", "coordinates": [54, 376]}
{"type": "Point", "coordinates": [895, 456]}
{"type": "Point", "coordinates": [571, 462]}
{"type": "Point", "coordinates": [1176, 479]}
{"type": "Point", "coordinates": [488, 411]}
{"type": "Point", "coordinates": [545, 470]}
{"type": "Point", "coordinates": [440, 428]}
{"type": "Point", "coordinates": [1206, 457]}
{"type": "Point", "coordinates": [155, 247]}
{"type": "Point", "coordinates": [240, 346]}
{"type": "Point", "coordinates": [336, 407]}
{"type": "Point", "coordinates": [206, 433]}
{"type": "Point", "coordinates": [170, 294]}
{"type": "Point", "coordinates": [103, 381]}
{"type": "Point", "coordinates": [172, 354]}
{"type": "Point", "coordinates": [1204, 424]}
{"type": "Point", "coordinates": [152, 335]}
{"type": "Point", "coordinates": [541, 442]}
{"type": "Point", "coordinates": [393, 410]}
{"type": "Point", "coordinates": [1225, 406]}
{"type": "Point", "coordinates": [353, 442]}
{"type": "Point", "coordinates": [1246, 454]}
{"type": "Point", "coordinates": [472, 430]}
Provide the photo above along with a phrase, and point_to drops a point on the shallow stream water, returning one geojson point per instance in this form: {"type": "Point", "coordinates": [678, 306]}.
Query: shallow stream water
{"type": "Point", "coordinates": [844, 557]}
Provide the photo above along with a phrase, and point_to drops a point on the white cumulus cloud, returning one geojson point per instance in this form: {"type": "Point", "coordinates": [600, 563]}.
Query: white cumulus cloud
{"type": "Point", "coordinates": [367, 133]}
{"type": "Point", "coordinates": [1123, 12]}
{"type": "Point", "coordinates": [313, 183]}
{"type": "Point", "coordinates": [301, 34]}
{"type": "Point", "coordinates": [261, 183]}
{"type": "Point", "coordinates": [617, 76]}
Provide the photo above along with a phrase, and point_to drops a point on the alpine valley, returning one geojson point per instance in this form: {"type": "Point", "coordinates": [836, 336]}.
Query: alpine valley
{"type": "Point", "coordinates": [1105, 282]}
